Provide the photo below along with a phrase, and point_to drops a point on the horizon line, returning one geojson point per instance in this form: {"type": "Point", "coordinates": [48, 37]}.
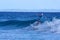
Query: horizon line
{"type": "Point", "coordinates": [29, 10]}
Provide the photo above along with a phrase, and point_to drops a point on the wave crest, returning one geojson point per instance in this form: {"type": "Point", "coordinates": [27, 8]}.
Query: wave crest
{"type": "Point", "coordinates": [48, 26]}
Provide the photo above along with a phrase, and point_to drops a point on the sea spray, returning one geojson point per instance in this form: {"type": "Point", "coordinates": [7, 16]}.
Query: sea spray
{"type": "Point", "coordinates": [48, 26]}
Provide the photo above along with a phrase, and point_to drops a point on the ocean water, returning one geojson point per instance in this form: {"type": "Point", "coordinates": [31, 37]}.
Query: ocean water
{"type": "Point", "coordinates": [20, 26]}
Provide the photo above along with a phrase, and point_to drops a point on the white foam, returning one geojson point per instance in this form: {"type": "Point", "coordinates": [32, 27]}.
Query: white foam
{"type": "Point", "coordinates": [52, 26]}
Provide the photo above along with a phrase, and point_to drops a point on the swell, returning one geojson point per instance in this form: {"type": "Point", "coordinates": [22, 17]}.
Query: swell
{"type": "Point", "coordinates": [16, 22]}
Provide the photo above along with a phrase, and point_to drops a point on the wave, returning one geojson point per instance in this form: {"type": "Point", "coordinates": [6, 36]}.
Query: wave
{"type": "Point", "coordinates": [48, 26]}
{"type": "Point", "coordinates": [16, 22]}
{"type": "Point", "coordinates": [22, 20]}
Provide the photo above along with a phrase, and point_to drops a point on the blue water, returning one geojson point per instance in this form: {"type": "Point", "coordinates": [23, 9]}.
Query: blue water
{"type": "Point", "coordinates": [17, 26]}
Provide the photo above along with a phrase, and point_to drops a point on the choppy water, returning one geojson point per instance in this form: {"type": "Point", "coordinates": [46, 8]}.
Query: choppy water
{"type": "Point", "coordinates": [22, 23]}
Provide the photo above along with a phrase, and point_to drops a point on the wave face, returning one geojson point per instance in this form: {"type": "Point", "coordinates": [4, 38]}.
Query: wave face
{"type": "Point", "coordinates": [19, 20]}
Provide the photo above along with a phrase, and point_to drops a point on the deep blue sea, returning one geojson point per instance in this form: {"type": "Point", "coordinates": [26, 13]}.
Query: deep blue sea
{"type": "Point", "coordinates": [20, 26]}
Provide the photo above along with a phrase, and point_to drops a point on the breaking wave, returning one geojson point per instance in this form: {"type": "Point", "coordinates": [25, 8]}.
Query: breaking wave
{"type": "Point", "coordinates": [17, 20]}
{"type": "Point", "coordinates": [48, 26]}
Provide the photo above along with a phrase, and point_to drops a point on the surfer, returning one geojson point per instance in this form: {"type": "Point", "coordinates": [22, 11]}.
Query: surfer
{"type": "Point", "coordinates": [42, 18]}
